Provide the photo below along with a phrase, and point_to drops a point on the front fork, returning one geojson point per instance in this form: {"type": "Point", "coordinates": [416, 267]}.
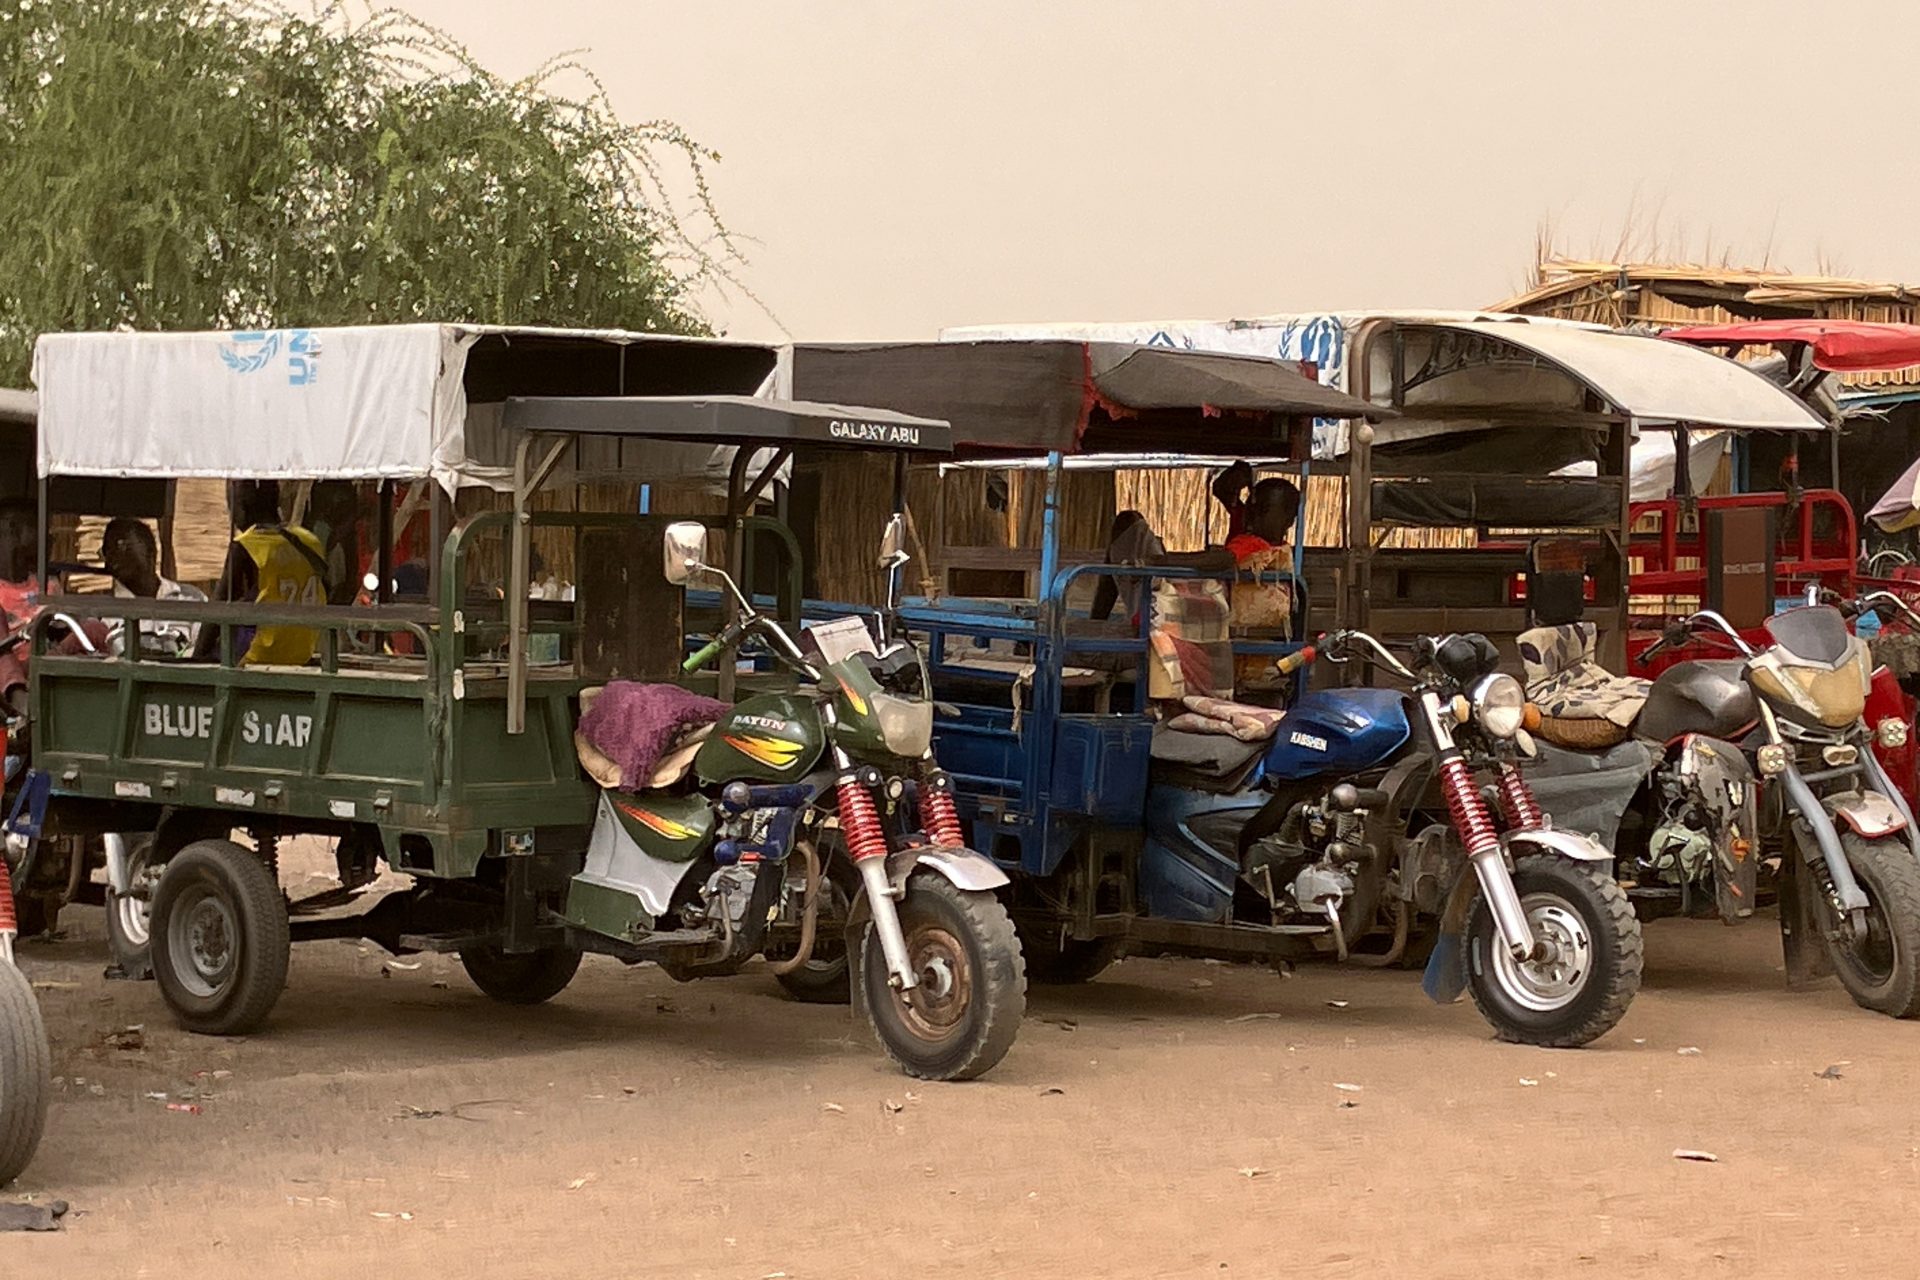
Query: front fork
{"type": "Point", "coordinates": [866, 840]}
{"type": "Point", "coordinates": [1475, 827]}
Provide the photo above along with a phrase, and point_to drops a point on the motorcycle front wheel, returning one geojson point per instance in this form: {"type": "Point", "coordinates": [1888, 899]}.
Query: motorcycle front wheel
{"type": "Point", "coordinates": [963, 1016]}
{"type": "Point", "coordinates": [1881, 967]}
{"type": "Point", "coordinates": [1586, 968]}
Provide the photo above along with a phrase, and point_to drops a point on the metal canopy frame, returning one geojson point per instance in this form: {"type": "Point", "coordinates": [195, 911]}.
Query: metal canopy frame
{"type": "Point", "coordinates": [551, 425]}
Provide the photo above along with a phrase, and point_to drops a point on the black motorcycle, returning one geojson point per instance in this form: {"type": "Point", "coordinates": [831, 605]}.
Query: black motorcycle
{"type": "Point", "coordinates": [1734, 760]}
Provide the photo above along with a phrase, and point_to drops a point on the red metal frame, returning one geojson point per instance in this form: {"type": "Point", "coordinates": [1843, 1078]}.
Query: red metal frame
{"type": "Point", "coordinates": [1801, 554]}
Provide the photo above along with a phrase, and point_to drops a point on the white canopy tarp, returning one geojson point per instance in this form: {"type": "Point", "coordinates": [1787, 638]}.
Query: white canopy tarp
{"type": "Point", "coordinates": [376, 402]}
{"type": "Point", "coordinates": [1652, 380]}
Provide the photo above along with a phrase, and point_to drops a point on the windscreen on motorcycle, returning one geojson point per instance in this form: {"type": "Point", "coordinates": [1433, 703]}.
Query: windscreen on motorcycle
{"type": "Point", "coordinates": [1816, 633]}
{"type": "Point", "coordinates": [899, 671]}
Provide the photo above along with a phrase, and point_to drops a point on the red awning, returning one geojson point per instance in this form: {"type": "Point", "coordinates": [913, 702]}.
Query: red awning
{"type": "Point", "coordinates": [1839, 346]}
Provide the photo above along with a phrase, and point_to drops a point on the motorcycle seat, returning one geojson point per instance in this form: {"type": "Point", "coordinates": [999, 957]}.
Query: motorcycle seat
{"type": "Point", "coordinates": [1565, 681]}
{"type": "Point", "coordinates": [670, 767]}
{"type": "Point", "coordinates": [1203, 761]}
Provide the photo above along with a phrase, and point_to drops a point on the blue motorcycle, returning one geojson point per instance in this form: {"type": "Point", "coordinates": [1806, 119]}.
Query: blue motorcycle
{"type": "Point", "coordinates": [1371, 806]}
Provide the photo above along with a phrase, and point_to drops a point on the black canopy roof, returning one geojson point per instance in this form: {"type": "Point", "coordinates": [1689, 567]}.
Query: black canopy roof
{"type": "Point", "coordinates": [747, 420]}
{"type": "Point", "coordinates": [1078, 397]}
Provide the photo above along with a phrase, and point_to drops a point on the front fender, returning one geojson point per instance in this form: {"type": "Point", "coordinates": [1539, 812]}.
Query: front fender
{"type": "Point", "coordinates": [965, 868]}
{"type": "Point", "coordinates": [1868, 813]}
{"type": "Point", "coordinates": [1568, 844]}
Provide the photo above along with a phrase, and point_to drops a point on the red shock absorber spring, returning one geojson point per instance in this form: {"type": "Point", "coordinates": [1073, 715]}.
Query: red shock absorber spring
{"type": "Point", "coordinates": [939, 816]}
{"type": "Point", "coordinates": [860, 820]}
{"type": "Point", "coordinates": [1468, 810]}
{"type": "Point", "coordinates": [8, 922]}
{"type": "Point", "coordinates": [1516, 800]}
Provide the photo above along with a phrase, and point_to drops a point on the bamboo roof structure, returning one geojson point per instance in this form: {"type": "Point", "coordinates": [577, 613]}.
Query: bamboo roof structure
{"type": "Point", "coordinates": [1664, 295]}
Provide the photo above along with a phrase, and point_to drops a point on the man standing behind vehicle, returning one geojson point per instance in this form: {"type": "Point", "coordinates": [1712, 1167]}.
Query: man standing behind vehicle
{"type": "Point", "coordinates": [273, 564]}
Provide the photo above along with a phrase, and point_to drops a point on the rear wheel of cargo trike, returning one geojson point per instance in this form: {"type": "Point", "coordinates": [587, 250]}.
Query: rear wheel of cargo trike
{"type": "Point", "coordinates": [25, 1073]}
{"type": "Point", "coordinates": [1587, 964]}
{"type": "Point", "coordinates": [220, 938]}
{"type": "Point", "coordinates": [533, 978]}
{"type": "Point", "coordinates": [1068, 962]}
{"type": "Point", "coordinates": [130, 919]}
{"type": "Point", "coordinates": [824, 978]}
{"type": "Point", "coordinates": [963, 1016]}
{"type": "Point", "coordinates": [1881, 968]}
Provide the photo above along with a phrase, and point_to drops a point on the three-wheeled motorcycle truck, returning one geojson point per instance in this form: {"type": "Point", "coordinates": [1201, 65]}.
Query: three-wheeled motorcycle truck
{"type": "Point", "coordinates": [443, 739]}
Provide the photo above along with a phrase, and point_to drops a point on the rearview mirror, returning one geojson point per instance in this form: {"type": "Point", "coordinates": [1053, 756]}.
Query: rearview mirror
{"type": "Point", "coordinates": [686, 551]}
{"type": "Point", "coordinates": [893, 543]}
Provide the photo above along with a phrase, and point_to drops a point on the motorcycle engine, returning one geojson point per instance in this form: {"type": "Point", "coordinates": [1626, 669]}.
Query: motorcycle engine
{"type": "Point", "coordinates": [1308, 865]}
{"type": "Point", "coordinates": [724, 900]}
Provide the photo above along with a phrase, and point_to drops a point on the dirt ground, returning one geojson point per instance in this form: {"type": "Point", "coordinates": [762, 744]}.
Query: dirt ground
{"type": "Point", "coordinates": [1170, 1119]}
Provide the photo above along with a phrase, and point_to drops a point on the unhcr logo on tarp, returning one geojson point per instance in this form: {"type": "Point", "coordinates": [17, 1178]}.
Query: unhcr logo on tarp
{"type": "Point", "coordinates": [250, 351]}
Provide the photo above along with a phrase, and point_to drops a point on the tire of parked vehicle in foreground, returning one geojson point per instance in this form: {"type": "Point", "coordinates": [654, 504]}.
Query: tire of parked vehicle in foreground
{"type": "Point", "coordinates": [1881, 971]}
{"type": "Point", "coordinates": [1589, 973]}
{"type": "Point", "coordinates": [220, 938]}
{"type": "Point", "coordinates": [25, 1073]}
{"type": "Point", "coordinates": [963, 1016]}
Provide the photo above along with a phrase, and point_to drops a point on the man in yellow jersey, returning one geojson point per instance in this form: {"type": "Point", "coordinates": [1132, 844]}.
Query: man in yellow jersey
{"type": "Point", "coordinates": [274, 564]}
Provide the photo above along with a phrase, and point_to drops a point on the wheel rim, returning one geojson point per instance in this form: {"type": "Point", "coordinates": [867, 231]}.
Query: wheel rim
{"type": "Point", "coordinates": [134, 918]}
{"type": "Point", "coordinates": [203, 942]}
{"type": "Point", "coordinates": [1876, 954]}
{"type": "Point", "coordinates": [936, 1008]}
{"type": "Point", "coordinates": [1562, 962]}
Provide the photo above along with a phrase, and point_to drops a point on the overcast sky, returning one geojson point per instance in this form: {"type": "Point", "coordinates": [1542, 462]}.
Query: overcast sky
{"type": "Point", "coordinates": [905, 166]}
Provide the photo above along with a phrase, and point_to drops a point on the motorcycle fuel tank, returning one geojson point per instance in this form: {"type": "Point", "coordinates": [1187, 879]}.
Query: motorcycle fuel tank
{"type": "Point", "coordinates": [1710, 696]}
{"type": "Point", "coordinates": [1338, 731]}
{"type": "Point", "coordinates": [772, 738]}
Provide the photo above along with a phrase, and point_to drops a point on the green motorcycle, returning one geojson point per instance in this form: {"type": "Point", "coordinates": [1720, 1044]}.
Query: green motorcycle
{"type": "Point", "coordinates": [841, 766]}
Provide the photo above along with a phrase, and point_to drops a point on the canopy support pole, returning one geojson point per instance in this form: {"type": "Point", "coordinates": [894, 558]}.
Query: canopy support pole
{"type": "Point", "coordinates": [1050, 529]}
{"type": "Point", "coordinates": [520, 571]}
{"type": "Point", "coordinates": [383, 558]}
{"type": "Point", "coordinates": [740, 499]}
{"type": "Point", "coordinates": [40, 568]}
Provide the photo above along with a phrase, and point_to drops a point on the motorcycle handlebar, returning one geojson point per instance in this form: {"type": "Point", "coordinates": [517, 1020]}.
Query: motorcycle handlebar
{"type": "Point", "coordinates": [1333, 642]}
{"type": "Point", "coordinates": [1684, 630]}
{"type": "Point", "coordinates": [784, 646]}
{"type": "Point", "coordinates": [1873, 600]}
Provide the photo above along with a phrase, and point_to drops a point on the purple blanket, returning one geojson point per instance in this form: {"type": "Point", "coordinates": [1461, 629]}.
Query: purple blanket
{"type": "Point", "coordinates": [635, 725]}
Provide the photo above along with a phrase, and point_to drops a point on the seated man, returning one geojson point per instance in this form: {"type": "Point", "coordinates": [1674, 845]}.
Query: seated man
{"type": "Point", "coordinates": [130, 553]}
{"type": "Point", "coordinates": [269, 563]}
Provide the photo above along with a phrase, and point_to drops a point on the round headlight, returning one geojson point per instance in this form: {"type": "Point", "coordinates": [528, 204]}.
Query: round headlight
{"type": "Point", "coordinates": [1499, 704]}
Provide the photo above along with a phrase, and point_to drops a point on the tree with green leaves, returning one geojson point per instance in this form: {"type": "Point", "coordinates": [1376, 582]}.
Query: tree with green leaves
{"type": "Point", "coordinates": [175, 164]}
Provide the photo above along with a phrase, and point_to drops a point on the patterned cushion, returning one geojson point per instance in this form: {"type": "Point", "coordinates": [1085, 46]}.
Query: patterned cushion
{"type": "Point", "coordinates": [1564, 681]}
